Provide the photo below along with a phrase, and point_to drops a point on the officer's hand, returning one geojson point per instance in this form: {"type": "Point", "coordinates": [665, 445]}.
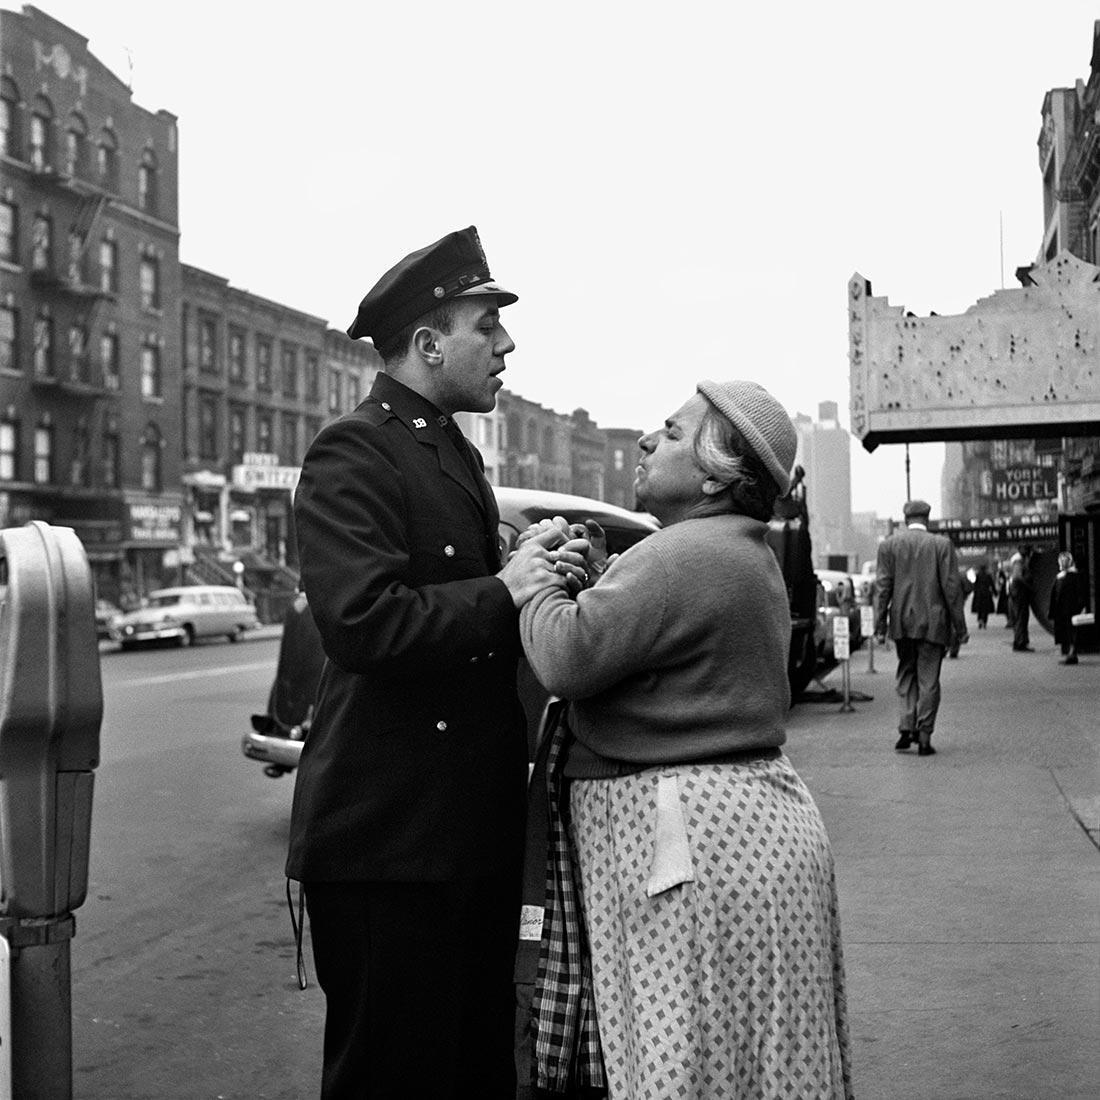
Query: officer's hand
{"type": "Point", "coordinates": [544, 559]}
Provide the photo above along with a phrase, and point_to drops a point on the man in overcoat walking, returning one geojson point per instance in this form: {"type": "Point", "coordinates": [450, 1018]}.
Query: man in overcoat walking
{"type": "Point", "coordinates": [917, 601]}
{"type": "Point", "coordinates": [407, 825]}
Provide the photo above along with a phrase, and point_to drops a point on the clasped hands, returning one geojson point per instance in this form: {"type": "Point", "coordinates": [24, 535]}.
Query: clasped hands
{"type": "Point", "coordinates": [555, 552]}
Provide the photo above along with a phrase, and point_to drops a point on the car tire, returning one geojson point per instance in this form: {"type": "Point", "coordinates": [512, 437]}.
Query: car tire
{"type": "Point", "coordinates": [187, 637]}
{"type": "Point", "coordinates": [236, 634]}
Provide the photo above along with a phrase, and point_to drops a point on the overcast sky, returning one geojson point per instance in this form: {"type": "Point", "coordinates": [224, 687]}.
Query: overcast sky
{"type": "Point", "coordinates": [676, 191]}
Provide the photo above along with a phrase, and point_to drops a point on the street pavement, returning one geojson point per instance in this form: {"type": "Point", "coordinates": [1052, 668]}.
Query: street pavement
{"type": "Point", "coordinates": [969, 880]}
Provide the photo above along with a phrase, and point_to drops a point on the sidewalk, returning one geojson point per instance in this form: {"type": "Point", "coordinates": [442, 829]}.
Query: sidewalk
{"type": "Point", "coordinates": [969, 881]}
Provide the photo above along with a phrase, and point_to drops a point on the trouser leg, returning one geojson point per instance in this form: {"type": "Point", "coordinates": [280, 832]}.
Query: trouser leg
{"type": "Point", "coordinates": [418, 986]}
{"type": "Point", "coordinates": [1021, 637]}
{"type": "Point", "coordinates": [907, 686]}
{"type": "Point", "coordinates": [929, 661]}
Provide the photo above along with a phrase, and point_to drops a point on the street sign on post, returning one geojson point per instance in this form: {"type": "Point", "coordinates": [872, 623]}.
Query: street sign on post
{"type": "Point", "coordinates": [867, 628]}
{"type": "Point", "coordinates": [51, 706]}
{"type": "Point", "coordinates": [841, 639]}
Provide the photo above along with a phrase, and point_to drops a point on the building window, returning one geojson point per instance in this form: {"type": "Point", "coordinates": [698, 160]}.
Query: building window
{"type": "Point", "coordinates": [208, 345]}
{"type": "Point", "coordinates": [236, 356]}
{"type": "Point", "coordinates": [237, 437]}
{"type": "Point", "coordinates": [108, 359]}
{"type": "Point", "coordinates": [76, 258]}
{"type": "Point", "coordinates": [620, 458]}
{"type": "Point", "coordinates": [313, 426]}
{"type": "Point", "coordinates": [353, 389]}
{"type": "Point", "coordinates": [150, 282]}
{"type": "Point", "coordinates": [335, 385]}
{"type": "Point", "coordinates": [147, 182]}
{"type": "Point", "coordinates": [80, 466]}
{"type": "Point", "coordinates": [76, 147]}
{"type": "Point", "coordinates": [40, 136]}
{"type": "Point", "coordinates": [289, 452]}
{"type": "Point", "coordinates": [43, 454]}
{"type": "Point", "coordinates": [265, 432]}
{"type": "Point", "coordinates": [150, 370]}
{"type": "Point", "coordinates": [9, 450]}
{"type": "Point", "coordinates": [78, 353]}
{"type": "Point", "coordinates": [43, 346]}
{"type": "Point", "coordinates": [313, 377]}
{"type": "Point", "coordinates": [9, 338]}
{"type": "Point", "coordinates": [41, 243]}
{"type": "Point", "coordinates": [290, 371]}
{"type": "Point", "coordinates": [263, 364]}
{"type": "Point", "coordinates": [109, 458]}
{"type": "Point", "coordinates": [108, 267]}
{"type": "Point", "coordinates": [208, 426]}
{"type": "Point", "coordinates": [9, 136]}
{"type": "Point", "coordinates": [150, 459]}
{"type": "Point", "coordinates": [107, 160]}
{"type": "Point", "coordinates": [9, 232]}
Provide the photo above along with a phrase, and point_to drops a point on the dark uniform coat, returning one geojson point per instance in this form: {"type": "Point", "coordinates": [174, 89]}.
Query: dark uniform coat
{"type": "Point", "coordinates": [415, 766]}
{"type": "Point", "coordinates": [1067, 597]}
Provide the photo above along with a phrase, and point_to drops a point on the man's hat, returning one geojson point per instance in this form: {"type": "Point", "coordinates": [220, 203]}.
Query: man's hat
{"type": "Point", "coordinates": [914, 508]}
{"type": "Point", "coordinates": [453, 266]}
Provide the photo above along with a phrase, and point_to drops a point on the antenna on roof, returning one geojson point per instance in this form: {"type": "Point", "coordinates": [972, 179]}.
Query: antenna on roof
{"type": "Point", "coordinates": [130, 68]}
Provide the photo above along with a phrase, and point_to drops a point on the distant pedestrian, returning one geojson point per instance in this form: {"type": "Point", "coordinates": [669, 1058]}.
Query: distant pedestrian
{"type": "Point", "coordinates": [1019, 599]}
{"type": "Point", "coordinates": [1067, 597]}
{"type": "Point", "coordinates": [983, 603]}
{"type": "Point", "coordinates": [1002, 595]}
{"type": "Point", "coordinates": [917, 600]}
{"type": "Point", "coordinates": [965, 588]}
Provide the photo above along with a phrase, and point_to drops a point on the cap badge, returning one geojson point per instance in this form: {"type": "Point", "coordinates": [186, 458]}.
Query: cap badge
{"type": "Point", "coordinates": [439, 292]}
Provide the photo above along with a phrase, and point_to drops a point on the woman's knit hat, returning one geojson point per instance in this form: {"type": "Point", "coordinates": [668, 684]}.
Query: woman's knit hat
{"type": "Point", "coordinates": [761, 420]}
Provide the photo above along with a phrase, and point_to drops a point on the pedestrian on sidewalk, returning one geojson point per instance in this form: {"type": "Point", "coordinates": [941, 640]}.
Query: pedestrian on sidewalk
{"type": "Point", "coordinates": [705, 872]}
{"type": "Point", "coordinates": [983, 602]}
{"type": "Point", "coordinates": [1019, 599]}
{"type": "Point", "coordinates": [1067, 597]}
{"type": "Point", "coordinates": [407, 825]}
{"type": "Point", "coordinates": [917, 602]}
{"type": "Point", "coordinates": [965, 588]}
{"type": "Point", "coordinates": [1003, 607]}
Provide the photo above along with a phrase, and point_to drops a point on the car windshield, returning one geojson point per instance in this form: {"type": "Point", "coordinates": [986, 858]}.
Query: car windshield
{"type": "Point", "coordinates": [162, 601]}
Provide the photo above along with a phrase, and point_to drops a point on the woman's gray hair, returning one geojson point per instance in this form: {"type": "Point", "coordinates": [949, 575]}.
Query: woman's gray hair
{"type": "Point", "coordinates": [723, 454]}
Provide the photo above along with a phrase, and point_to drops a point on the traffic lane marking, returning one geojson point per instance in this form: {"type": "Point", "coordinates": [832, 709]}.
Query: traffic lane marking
{"type": "Point", "coordinates": [169, 677]}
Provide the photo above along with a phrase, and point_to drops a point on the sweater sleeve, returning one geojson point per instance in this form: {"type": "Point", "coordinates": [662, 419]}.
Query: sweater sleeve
{"type": "Point", "coordinates": [580, 647]}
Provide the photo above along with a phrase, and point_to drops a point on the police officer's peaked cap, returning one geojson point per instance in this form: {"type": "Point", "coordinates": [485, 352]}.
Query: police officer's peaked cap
{"type": "Point", "coordinates": [454, 265]}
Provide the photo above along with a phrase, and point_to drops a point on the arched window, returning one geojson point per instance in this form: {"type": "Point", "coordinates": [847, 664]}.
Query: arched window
{"type": "Point", "coordinates": [107, 160]}
{"type": "Point", "coordinates": [532, 436]}
{"type": "Point", "coordinates": [151, 446]}
{"type": "Point", "coordinates": [9, 118]}
{"type": "Point", "coordinates": [147, 182]}
{"type": "Point", "coordinates": [41, 134]}
{"type": "Point", "coordinates": [76, 146]}
{"type": "Point", "coordinates": [548, 444]}
{"type": "Point", "coordinates": [110, 454]}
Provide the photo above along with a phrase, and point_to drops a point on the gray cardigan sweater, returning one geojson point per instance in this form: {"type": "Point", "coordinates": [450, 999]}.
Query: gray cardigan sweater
{"type": "Point", "coordinates": [679, 653]}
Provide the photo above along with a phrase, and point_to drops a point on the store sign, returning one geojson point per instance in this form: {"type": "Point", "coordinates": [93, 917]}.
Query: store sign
{"type": "Point", "coordinates": [266, 477]}
{"type": "Point", "coordinates": [1001, 531]}
{"type": "Point", "coordinates": [1016, 483]}
{"type": "Point", "coordinates": [151, 522]}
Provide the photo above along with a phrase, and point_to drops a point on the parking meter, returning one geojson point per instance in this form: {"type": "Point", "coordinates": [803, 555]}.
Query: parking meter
{"type": "Point", "coordinates": [51, 706]}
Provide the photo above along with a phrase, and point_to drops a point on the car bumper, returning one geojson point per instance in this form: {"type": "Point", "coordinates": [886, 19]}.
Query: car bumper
{"type": "Point", "coordinates": [147, 634]}
{"type": "Point", "coordinates": [271, 749]}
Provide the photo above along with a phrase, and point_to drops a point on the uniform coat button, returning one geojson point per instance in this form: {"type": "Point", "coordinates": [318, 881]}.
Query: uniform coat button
{"type": "Point", "coordinates": [441, 726]}
{"type": "Point", "coordinates": [449, 550]}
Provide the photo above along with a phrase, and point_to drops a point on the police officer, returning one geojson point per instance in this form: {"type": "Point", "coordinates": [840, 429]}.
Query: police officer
{"type": "Point", "coordinates": [408, 815]}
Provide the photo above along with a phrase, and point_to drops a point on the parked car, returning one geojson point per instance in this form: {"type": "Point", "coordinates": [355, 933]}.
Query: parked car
{"type": "Point", "coordinates": [837, 596]}
{"type": "Point", "coordinates": [105, 614]}
{"type": "Point", "coordinates": [276, 736]}
{"type": "Point", "coordinates": [185, 614]}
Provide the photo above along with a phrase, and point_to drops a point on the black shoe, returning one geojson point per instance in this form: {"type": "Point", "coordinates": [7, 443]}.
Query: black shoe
{"type": "Point", "coordinates": [904, 741]}
{"type": "Point", "coordinates": [925, 750]}
{"type": "Point", "coordinates": [1023, 649]}
{"type": "Point", "coordinates": [1069, 661]}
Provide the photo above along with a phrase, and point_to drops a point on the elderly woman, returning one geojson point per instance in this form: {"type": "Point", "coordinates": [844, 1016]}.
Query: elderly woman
{"type": "Point", "coordinates": [705, 873]}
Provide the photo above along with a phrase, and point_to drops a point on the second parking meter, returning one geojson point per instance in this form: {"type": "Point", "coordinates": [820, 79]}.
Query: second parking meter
{"type": "Point", "coordinates": [51, 706]}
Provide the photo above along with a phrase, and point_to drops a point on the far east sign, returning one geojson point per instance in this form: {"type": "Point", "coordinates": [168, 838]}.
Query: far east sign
{"type": "Point", "coordinates": [1020, 483]}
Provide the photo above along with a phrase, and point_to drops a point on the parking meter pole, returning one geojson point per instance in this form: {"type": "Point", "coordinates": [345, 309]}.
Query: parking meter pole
{"type": "Point", "coordinates": [847, 705]}
{"type": "Point", "coordinates": [51, 705]}
{"type": "Point", "coordinates": [41, 999]}
{"type": "Point", "coordinates": [871, 653]}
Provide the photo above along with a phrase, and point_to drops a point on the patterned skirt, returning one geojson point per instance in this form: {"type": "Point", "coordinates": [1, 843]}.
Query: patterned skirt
{"type": "Point", "coordinates": [711, 911]}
